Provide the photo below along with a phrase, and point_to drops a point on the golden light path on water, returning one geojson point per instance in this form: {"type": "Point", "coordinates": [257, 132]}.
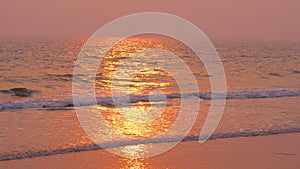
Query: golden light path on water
{"type": "Point", "coordinates": [142, 119]}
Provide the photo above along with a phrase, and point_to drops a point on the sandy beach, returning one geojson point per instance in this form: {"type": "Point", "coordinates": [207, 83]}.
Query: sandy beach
{"type": "Point", "coordinates": [275, 151]}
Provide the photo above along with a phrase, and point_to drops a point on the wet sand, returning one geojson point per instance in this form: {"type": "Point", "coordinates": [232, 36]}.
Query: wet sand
{"type": "Point", "coordinates": [275, 151]}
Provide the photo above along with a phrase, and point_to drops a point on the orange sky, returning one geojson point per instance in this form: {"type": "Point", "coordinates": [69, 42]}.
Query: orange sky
{"type": "Point", "coordinates": [219, 19]}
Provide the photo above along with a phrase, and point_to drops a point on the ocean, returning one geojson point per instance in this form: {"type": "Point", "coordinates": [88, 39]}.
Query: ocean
{"type": "Point", "coordinates": [37, 117]}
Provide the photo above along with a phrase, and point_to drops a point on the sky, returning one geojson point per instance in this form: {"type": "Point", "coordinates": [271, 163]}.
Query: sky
{"type": "Point", "coordinates": [218, 19]}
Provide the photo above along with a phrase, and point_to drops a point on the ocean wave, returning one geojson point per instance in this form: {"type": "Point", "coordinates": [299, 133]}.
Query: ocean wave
{"type": "Point", "coordinates": [117, 144]}
{"type": "Point", "coordinates": [21, 92]}
{"type": "Point", "coordinates": [108, 101]}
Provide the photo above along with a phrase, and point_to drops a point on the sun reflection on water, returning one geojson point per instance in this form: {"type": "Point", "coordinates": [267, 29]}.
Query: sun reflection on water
{"type": "Point", "coordinates": [143, 119]}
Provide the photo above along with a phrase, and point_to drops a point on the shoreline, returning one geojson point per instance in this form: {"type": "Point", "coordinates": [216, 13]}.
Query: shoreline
{"type": "Point", "coordinates": [95, 147]}
{"type": "Point", "coordinates": [272, 151]}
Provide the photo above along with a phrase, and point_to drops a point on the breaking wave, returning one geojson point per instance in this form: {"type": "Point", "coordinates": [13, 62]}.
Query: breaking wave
{"type": "Point", "coordinates": [108, 101]}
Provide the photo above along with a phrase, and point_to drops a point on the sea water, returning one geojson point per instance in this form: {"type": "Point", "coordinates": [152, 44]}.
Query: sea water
{"type": "Point", "coordinates": [263, 85]}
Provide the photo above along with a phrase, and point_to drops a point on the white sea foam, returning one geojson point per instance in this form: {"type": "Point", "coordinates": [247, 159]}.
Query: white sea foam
{"type": "Point", "coordinates": [107, 101]}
